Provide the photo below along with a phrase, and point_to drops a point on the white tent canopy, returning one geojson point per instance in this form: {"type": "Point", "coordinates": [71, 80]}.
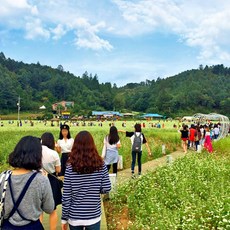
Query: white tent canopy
{"type": "Point", "coordinates": [42, 107]}
{"type": "Point", "coordinates": [223, 120]}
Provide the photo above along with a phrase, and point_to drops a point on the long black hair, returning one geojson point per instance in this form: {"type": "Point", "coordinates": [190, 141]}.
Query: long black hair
{"type": "Point", "coordinates": [48, 140]}
{"type": "Point", "coordinates": [113, 135]}
{"type": "Point", "coordinates": [64, 127]}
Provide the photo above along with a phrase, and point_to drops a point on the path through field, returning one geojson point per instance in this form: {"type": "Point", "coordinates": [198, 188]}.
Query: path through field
{"type": "Point", "coordinates": [124, 176]}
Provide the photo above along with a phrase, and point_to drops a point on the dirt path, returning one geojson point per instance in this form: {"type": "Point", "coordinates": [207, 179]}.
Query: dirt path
{"type": "Point", "coordinates": [123, 177]}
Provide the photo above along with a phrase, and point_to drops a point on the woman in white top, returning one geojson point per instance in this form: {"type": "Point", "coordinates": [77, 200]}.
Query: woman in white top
{"type": "Point", "coordinates": [51, 164]}
{"type": "Point", "coordinates": [64, 146]}
{"type": "Point", "coordinates": [110, 149]}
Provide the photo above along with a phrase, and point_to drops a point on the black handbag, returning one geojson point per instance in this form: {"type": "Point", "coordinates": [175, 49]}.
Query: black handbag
{"type": "Point", "coordinates": [59, 181]}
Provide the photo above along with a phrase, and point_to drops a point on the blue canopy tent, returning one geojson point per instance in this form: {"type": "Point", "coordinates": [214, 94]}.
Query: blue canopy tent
{"type": "Point", "coordinates": [152, 115]}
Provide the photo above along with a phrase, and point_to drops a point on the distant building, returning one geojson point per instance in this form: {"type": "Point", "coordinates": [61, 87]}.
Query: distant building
{"type": "Point", "coordinates": [106, 114]}
{"type": "Point", "coordinates": [61, 108]}
{"type": "Point", "coordinates": [64, 104]}
{"type": "Point", "coordinates": [128, 114]}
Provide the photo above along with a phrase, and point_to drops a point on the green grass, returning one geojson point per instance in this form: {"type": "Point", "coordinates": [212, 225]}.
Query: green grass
{"type": "Point", "coordinates": [192, 193]}
{"type": "Point", "coordinates": [11, 134]}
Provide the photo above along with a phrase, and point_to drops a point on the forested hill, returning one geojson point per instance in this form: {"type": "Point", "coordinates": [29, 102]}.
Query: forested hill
{"type": "Point", "coordinates": [200, 90]}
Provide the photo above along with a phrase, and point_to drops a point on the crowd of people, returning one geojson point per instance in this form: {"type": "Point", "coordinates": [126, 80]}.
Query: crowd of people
{"type": "Point", "coordinates": [199, 136]}
{"type": "Point", "coordinates": [34, 186]}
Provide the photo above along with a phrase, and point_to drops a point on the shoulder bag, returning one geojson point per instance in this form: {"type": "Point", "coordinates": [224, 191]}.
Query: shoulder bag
{"type": "Point", "coordinates": [3, 179]}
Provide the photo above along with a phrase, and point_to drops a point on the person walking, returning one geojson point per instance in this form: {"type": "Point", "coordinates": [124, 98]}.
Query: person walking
{"type": "Point", "coordinates": [28, 192]}
{"type": "Point", "coordinates": [216, 131]}
{"type": "Point", "coordinates": [52, 166]}
{"type": "Point", "coordinates": [137, 139]}
{"type": "Point", "coordinates": [198, 135]}
{"type": "Point", "coordinates": [184, 137]}
{"type": "Point", "coordinates": [86, 177]}
{"type": "Point", "coordinates": [110, 149]}
{"type": "Point", "coordinates": [64, 146]}
{"type": "Point", "coordinates": [192, 133]}
{"type": "Point", "coordinates": [208, 140]}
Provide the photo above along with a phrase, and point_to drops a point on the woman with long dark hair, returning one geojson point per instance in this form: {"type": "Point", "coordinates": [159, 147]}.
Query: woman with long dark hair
{"type": "Point", "coordinates": [110, 149]}
{"type": "Point", "coordinates": [52, 166]}
{"type": "Point", "coordinates": [86, 177]}
{"type": "Point", "coordinates": [64, 146]}
{"type": "Point", "coordinates": [28, 193]}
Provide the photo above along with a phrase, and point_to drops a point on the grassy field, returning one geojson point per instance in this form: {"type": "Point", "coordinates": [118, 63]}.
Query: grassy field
{"type": "Point", "coordinates": [192, 193]}
{"type": "Point", "coordinates": [11, 134]}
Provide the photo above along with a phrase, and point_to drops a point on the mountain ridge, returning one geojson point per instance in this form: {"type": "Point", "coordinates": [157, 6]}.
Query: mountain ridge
{"type": "Point", "coordinates": [205, 90]}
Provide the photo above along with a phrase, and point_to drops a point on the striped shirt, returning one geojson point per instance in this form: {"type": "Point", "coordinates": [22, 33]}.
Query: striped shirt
{"type": "Point", "coordinates": [81, 194]}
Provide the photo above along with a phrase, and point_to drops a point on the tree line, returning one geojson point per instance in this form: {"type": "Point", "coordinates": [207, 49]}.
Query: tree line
{"type": "Point", "coordinates": [202, 90]}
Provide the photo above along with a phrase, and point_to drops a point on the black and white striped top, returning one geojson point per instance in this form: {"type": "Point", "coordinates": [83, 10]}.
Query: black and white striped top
{"type": "Point", "coordinates": [81, 194]}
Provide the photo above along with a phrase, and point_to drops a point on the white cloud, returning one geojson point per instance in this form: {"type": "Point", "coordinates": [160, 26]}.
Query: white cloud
{"type": "Point", "coordinates": [58, 32]}
{"type": "Point", "coordinates": [10, 8]}
{"type": "Point", "coordinates": [35, 29]}
{"type": "Point", "coordinates": [88, 39]}
{"type": "Point", "coordinates": [203, 25]}
{"type": "Point", "coordinates": [87, 36]}
{"type": "Point", "coordinates": [55, 19]}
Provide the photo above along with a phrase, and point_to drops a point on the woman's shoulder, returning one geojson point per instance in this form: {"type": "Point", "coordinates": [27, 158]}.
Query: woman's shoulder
{"type": "Point", "coordinates": [48, 152]}
{"type": "Point", "coordinates": [41, 179]}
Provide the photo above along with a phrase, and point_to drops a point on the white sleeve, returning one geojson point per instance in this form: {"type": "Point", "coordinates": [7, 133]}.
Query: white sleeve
{"type": "Point", "coordinates": [57, 159]}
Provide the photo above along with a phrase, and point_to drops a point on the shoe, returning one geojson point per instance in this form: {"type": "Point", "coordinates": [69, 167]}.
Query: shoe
{"type": "Point", "coordinates": [133, 176]}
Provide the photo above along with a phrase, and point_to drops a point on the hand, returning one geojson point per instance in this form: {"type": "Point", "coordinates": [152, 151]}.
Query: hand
{"type": "Point", "coordinates": [150, 153]}
{"type": "Point", "coordinates": [64, 226]}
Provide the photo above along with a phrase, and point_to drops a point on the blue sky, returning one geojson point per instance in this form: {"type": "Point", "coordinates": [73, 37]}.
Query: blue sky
{"type": "Point", "coordinates": [121, 41]}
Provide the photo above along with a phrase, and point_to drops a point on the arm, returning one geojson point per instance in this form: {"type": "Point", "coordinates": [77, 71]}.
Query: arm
{"type": "Point", "coordinates": [57, 169]}
{"type": "Point", "coordinates": [104, 149]}
{"type": "Point", "coordinates": [57, 163]}
{"type": "Point", "coordinates": [105, 183]}
{"type": "Point", "coordinates": [146, 144]}
{"type": "Point", "coordinates": [58, 147]}
{"type": "Point", "coordinates": [148, 149]}
{"type": "Point", "coordinates": [118, 145]}
{"type": "Point", "coordinates": [66, 198]}
{"type": "Point", "coordinates": [121, 131]}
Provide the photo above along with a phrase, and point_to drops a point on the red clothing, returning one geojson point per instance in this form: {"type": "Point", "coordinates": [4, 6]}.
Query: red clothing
{"type": "Point", "coordinates": [208, 143]}
{"type": "Point", "coordinates": [192, 132]}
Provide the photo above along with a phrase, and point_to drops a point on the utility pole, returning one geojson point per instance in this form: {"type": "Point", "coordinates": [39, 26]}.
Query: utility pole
{"type": "Point", "coordinates": [18, 104]}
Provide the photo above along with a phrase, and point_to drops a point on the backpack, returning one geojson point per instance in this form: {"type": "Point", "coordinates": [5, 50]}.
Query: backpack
{"type": "Point", "coordinates": [137, 143]}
